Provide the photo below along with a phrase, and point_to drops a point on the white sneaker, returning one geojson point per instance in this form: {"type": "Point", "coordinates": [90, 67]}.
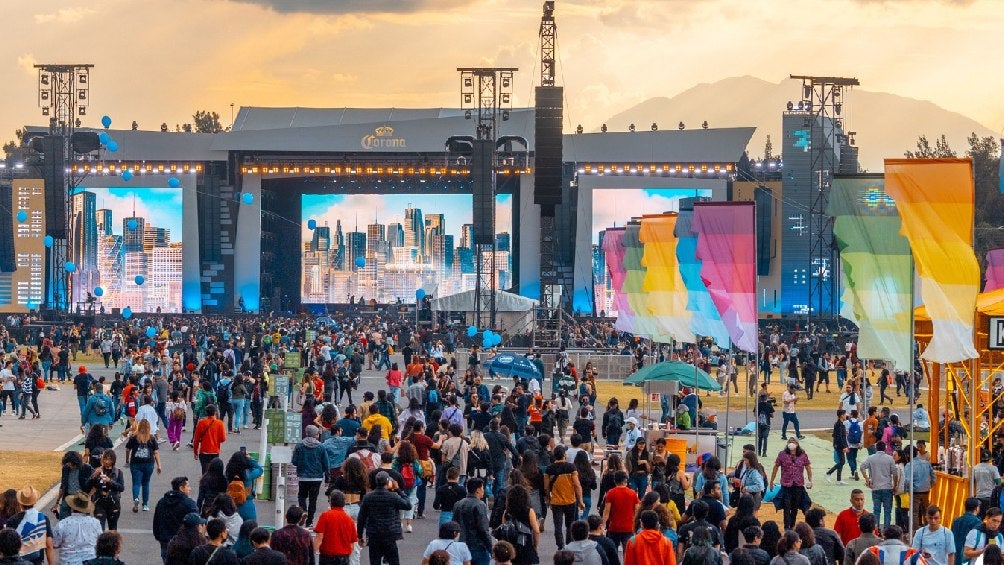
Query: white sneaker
{"type": "Point", "coordinates": [146, 508]}
{"type": "Point", "coordinates": [408, 528]}
{"type": "Point", "coordinates": [841, 482]}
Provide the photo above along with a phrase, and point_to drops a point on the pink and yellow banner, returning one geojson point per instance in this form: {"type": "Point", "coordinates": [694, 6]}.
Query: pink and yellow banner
{"type": "Point", "coordinates": [667, 295]}
{"type": "Point", "coordinates": [613, 252]}
{"type": "Point", "coordinates": [995, 270]}
{"type": "Point", "coordinates": [726, 246]}
{"type": "Point", "coordinates": [935, 198]}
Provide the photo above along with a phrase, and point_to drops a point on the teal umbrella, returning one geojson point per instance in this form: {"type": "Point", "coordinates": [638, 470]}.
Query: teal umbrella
{"type": "Point", "coordinates": [683, 373]}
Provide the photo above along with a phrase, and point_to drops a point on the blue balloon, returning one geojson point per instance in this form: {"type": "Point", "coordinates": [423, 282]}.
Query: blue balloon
{"type": "Point", "coordinates": [106, 121]}
{"type": "Point", "coordinates": [127, 312]}
{"type": "Point", "coordinates": [360, 262]}
{"type": "Point", "coordinates": [498, 339]}
{"type": "Point", "coordinates": [112, 146]}
{"type": "Point", "coordinates": [69, 266]}
{"type": "Point", "coordinates": [173, 182]}
{"type": "Point", "coordinates": [151, 331]}
{"type": "Point", "coordinates": [132, 224]}
{"type": "Point", "coordinates": [127, 175]}
{"type": "Point", "coordinates": [98, 291]}
{"type": "Point", "coordinates": [48, 241]}
{"type": "Point", "coordinates": [420, 294]}
{"type": "Point", "coordinates": [22, 216]}
{"type": "Point", "coordinates": [104, 138]}
{"type": "Point", "coordinates": [312, 224]}
{"type": "Point", "coordinates": [140, 279]}
{"type": "Point", "coordinates": [247, 198]}
{"type": "Point", "coordinates": [472, 331]}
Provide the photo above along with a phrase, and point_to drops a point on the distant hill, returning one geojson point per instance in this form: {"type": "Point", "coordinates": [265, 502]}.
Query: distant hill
{"type": "Point", "coordinates": [886, 124]}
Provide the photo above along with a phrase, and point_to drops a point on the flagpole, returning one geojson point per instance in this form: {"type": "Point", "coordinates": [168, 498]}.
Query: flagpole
{"type": "Point", "coordinates": [728, 402]}
{"type": "Point", "coordinates": [913, 396]}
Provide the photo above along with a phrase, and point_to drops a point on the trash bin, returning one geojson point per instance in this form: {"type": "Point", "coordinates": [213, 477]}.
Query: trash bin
{"type": "Point", "coordinates": [721, 450]}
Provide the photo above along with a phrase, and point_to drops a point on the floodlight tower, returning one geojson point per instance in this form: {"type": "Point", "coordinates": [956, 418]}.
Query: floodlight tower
{"type": "Point", "coordinates": [822, 98]}
{"type": "Point", "coordinates": [63, 96]}
{"type": "Point", "coordinates": [486, 97]}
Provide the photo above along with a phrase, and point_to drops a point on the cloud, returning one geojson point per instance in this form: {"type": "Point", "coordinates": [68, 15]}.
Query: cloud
{"type": "Point", "coordinates": [65, 15]}
{"type": "Point", "coordinates": [27, 63]}
{"type": "Point", "coordinates": [354, 6]}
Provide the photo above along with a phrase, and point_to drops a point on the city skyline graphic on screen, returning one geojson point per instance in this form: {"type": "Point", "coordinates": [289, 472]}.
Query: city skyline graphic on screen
{"type": "Point", "coordinates": [403, 242]}
{"type": "Point", "coordinates": [119, 234]}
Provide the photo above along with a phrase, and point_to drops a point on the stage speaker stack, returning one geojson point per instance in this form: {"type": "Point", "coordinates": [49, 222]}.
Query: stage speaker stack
{"type": "Point", "coordinates": [54, 175]}
{"type": "Point", "coordinates": [482, 164]}
{"type": "Point", "coordinates": [7, 261]}
{"type": "Point", "coordinates": [547, 145]}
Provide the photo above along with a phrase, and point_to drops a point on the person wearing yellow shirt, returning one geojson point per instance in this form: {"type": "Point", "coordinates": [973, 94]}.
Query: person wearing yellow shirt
{"type": "Point", "coordinates": [376, 417]}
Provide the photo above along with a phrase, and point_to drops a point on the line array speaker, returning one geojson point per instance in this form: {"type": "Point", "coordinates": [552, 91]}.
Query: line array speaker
{"type": "Point", "coordinates": [54, 175]}
{"type": "Point", "coordinates": [547, 147]}
{"type": "Point", "coordinates": [482, 164]}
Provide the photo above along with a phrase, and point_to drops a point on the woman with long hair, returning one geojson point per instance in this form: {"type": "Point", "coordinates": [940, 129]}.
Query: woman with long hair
{"type": "Point", "coordinates": [354, 483]}
{"type": "Point", "coordinates": [711, 471]}
{"type": "Point", "coordinates": [587, 480]}
{"type": "Point", "coordinates": [9, 506]}
{"type": "Point", "coordinates": [809, 548]}
{"type": "Point", "coordinates": [74, 477]}
{"type": "Point", "coordinates": [223, 507]}
{"type": "Point", "coordinates": [142, 456]}
{"type": "Point", "coordinates": [744, 517]}
{"type": "Point", "coordinates": [530, 469]}
{"type": "Point", "coordinates": [751, 478]}
{"type": "Point", "coordinates": [701, 550]}
{"type": "Point", "coordinates": [241, 467]}
{"type": "Point", "coordinates": [308, 413]}
{"type": "Point", "coordinates": [637, 466]}
{"type": "Point", "coordinates": [677, 481]}
{"type": "Point", "coordinates": [519, 509]}
{"type": "Point", "coordinates": [97, 440]}
{"type": "Point", "coordinates": [407, 458]}
{"type": "Point", "coordinates": [176, 410]}
{"type": "Point", "coordinates": [787, 552]}
{"type": "Point", "coordinates": [651, 502]}
{"type": "Point", "coordinates": [243, 547]}
{"type": "Point", "coordinates": [479, 459]}
{"type": "Point", "coordinates": [413, 411]}
{"type": "Point", "coordinates": [614, 463]}
{"type": "Point", "coordinates": [771, 536]}
{"type": "Point", "coordinates": [179, 549]}
{"type": "Point", "coordinates": [106, 485]}
{"type": "Point", "coordinates": [212, 483]}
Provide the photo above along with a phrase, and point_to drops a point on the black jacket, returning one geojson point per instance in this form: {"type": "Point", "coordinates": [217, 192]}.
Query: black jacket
{"type": "Point", "coordinates": [169, 514]}
{"type": "Point", "coordinates": [839, 435]}
{"type": "Point", "coordinates": [378, 514]}
{"type": "Point", "coordinates": [265, 556]}
{"type": "Point", "coordinates": [472, 515]}
{"type": "Point", "coordinates": [497, 446]}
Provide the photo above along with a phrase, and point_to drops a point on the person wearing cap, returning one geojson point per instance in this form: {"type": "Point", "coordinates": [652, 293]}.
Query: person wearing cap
{"type": "Point", "coordinates": [311, 461]}
{"type": "Point", "coordinates": [171, 511]}
{"type": "Point", "coordinates": [189, 535]}
{"type": "Point", "coordinates": [379, 519]}
{"type": "Point", "coordinates": [82, 383]}
{"type": "Point", "coordinates": [633, 433]}
{"type": "Point", "coordinates": [76, 535]}
{"type": "Point", "coordinates": [34, 528]}
{"type": "Point", "coordinates": [335, 533]}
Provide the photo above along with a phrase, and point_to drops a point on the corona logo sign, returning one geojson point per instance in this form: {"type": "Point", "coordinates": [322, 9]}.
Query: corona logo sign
{"type": "Point", "coordinates": [382, 138]}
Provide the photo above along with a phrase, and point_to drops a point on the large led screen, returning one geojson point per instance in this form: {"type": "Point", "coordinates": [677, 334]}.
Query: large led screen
{"type": "Point", "coordinates": [126, 249]}
{"type": "Point", "coordinates": [614, 207]}
{"type": "Point", "coordinates": [385, 247]}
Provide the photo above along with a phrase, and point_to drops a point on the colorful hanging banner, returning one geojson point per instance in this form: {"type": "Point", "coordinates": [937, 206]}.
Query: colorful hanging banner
{"type": "Point", "coordinates": [613, 252]}
{"type": "Point", "coordinates": [726, 247]}
{"type": "Point", "coordinates": [995, 270]}
{"type": "Point", "coordinates": [704, 319]}
{"type": "Point", "coordinates": [935, 198]}
{"type": "Point", "coordinates": [877, 268]}
{"type": "Point", "coordinates": [634, 277]}
{"type": "Point", "coordinates": [667, 295]}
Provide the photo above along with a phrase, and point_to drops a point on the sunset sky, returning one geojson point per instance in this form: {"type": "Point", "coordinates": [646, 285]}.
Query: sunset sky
{"type": "Point", "coordinates": [160, 60]}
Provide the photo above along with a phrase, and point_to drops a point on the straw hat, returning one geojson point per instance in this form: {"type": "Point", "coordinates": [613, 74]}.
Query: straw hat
{"type": "Point", "coordinates": [80, 502]}
{"type": "Point", "coordinates": [27, 496]}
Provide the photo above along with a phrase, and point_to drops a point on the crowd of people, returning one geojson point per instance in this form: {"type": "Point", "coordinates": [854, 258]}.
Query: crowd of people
{"type": "Point", "coordinates": [495, 460]}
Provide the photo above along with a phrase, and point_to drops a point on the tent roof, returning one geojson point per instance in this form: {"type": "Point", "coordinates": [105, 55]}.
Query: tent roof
{"type": "Point", "coordinates": [988, 303]}
{"type": "Point", "coordinates": [464, 302]}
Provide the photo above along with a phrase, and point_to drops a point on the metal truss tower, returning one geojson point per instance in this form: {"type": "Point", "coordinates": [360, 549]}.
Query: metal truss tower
{"type": "Point", "coordinates": [486, 97]}
{"type": "Point", "coordinates": [822, 98]}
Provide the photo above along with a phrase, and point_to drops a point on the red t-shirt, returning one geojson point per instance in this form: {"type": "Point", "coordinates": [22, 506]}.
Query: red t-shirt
{"type": "Point", "coordinates": [339, 533]}
{"type": "Point", "coordinates": [847, 526]}
{"type": "Point", "coordinates": [422, 445]}
{"type": "Point", "coordinates": [621, 501]}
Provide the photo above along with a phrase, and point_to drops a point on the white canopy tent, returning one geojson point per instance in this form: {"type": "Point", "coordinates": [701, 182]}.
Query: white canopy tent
{"type": "Point", "coordinates": [514, 312]}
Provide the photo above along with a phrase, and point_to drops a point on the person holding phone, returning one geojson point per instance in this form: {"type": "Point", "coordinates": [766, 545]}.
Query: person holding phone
{"type": "Point", "coordinates": [934, 541]}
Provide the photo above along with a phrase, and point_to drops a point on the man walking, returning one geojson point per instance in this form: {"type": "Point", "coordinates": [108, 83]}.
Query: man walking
{"type": "Point", "coordinates": [920, 475]}
{"type": "Point", "coordinates": [964, 524]}
{"type": "Point", "coordinates": [764, 413]}
{"type": "Point", "coordinates": [561, 481]}
{"type": "Point", "coordinates": [649, 546]}
{"type": "Point", "coordinates": [788, 415]}
{"type": "Point", "coordinates": [847, 523]}
{"type": "Point", "coordinates": [171, 511]}
{"type": "Point", "coordinates": [839, 435]}
{"type": "Point", "coordinates": [209, 435]}
{"type": "Point", "coordinates": [879, 471]}
{"type": "Point", "coordinates": [619, 505]}
{"type": "Point", "coordinates": [472, 515]}
{"type": "Point", "coordinates": [860, 544]}
{"type": "Point", "coordinates": [380, 521]}
{"type": "Point", "coordinates": [311, 461]}
{"type": "Point", "coordinates": [985, 478]}
{"type": "Point", "coordinates": [335, 533]}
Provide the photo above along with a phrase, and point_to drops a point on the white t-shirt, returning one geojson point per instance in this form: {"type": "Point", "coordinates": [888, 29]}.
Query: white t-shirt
{"type": "Point", "coordinates": [7, 377]}
{"type": "Point", "coordinates": [149, 413]}
{"type": "Point", "coordinates": [458, 550]}
{"type": "Point", "coordinates": [788, 402]}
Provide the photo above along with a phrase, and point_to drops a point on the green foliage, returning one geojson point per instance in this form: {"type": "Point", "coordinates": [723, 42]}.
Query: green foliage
{"type": "Point", "coordinates": [941, 150]}
{"type": "Point", "coordinates": [207, 122]}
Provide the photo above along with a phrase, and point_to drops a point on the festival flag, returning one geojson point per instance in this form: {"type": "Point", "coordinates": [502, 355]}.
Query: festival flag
{"type": "Point", "coordinates": [935, 198]}
{"type": "Point", "coordinates": [877, 268]}
{"type": "Point", "coordinates": [634, 277]}
{"type": "Point", "coordinates": [704, 319]}
{"type": "Point", "coordinates": [667, 295]}
{"type": "Point", "coordinates": [613, 252]}
{"type": "Point", "coordinates": [995, 270]}
{"type": "Point", "coordinates": [726, 247]}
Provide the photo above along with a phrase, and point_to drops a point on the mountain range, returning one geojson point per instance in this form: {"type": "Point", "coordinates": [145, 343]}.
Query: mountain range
{"type": "Point", "coordinates": [886, 124]}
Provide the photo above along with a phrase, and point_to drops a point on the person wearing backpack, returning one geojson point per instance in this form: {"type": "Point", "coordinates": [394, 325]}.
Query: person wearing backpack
{"type": "Point", "coordinates": [406, 464]}
{"type": "Point", "coordinates": [613, 423]}
{"type": "Point", "coordinates": [562, 487]}
{"type": "Point", "coordinates": [99, 410]}
{"type": "Point", "coordinates": [840, 448]}
{"type": "Point", "coordinates": [224, 392]}
{"type": "Point", "coordinates": [855, 437]}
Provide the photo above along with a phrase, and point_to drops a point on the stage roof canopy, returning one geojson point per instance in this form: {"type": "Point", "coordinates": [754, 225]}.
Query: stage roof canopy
{"type": "Point", "coordinates": [464, 302]}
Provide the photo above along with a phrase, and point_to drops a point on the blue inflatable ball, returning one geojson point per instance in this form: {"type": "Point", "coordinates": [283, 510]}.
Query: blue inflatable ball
{"type": "Point", "coordinates": [112, 146]}
{"type": "Point", "coordinates": [485, 342]}
{"type": "Point", "coordinates": [472, 331]}
{"type": "Point", "coordinates": [140, 279]}
{"type": "Point", "coordinates": [360, 262]}
{"type": "Point", "coordinates": [247, 198]}
{"type": "Point", "coordinates": [498, 339]}
{"type": "Point", "coordinates": [69, 266]}
{"type": "Point", "coordinates": [48, 241]}
{"type": "Point", "coordinates": [127, 175]}
{"type": "Point", "coordinates": [104, 138]}
{"type": "Point", "coordinates": [132, 224]}
{"type": "Point", "coordinates": [22, 216]}
{"type": "Point", "coordinates": [312, 224]}
{"type": "Point", "coordinates": [106, 122]}
{"type": "Point", "coordinates": [98, 291]}
{"type": "Point", "coordinates": [127, 312]}
{"type": "Point", "coordinates": [173, 182]}
{"type": "Point", "coordinates": [420, 294]}
{"type": "Point", "coordinates": [151, 331]}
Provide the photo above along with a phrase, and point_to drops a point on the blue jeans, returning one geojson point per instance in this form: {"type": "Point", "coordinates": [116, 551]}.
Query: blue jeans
{"type": "Point", "coordinates": [445, 517]}
{"type": "Point", "coordinates": [61, 372]}
{"type": "Point", "coordinates": [882, 498]}
{"type": "Point", "coordinates": [82, 402]}
{"type": "Point", "coordinates": [141, 474]}
{"type": "Point", "coordinates": [793, 419]}
{"type": "Point", "coordinates": [238, 404]}
{"type": "Point", "coordinates": [46, 365]}
{"type": "Point", "coordinates": [480, 557]}
{"type": "Point", "coordinates": [394, 393]}
{"type": "Point", "coordinates": [639, 482]}
{"type": "Point", "coordinates": [587, 500]}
